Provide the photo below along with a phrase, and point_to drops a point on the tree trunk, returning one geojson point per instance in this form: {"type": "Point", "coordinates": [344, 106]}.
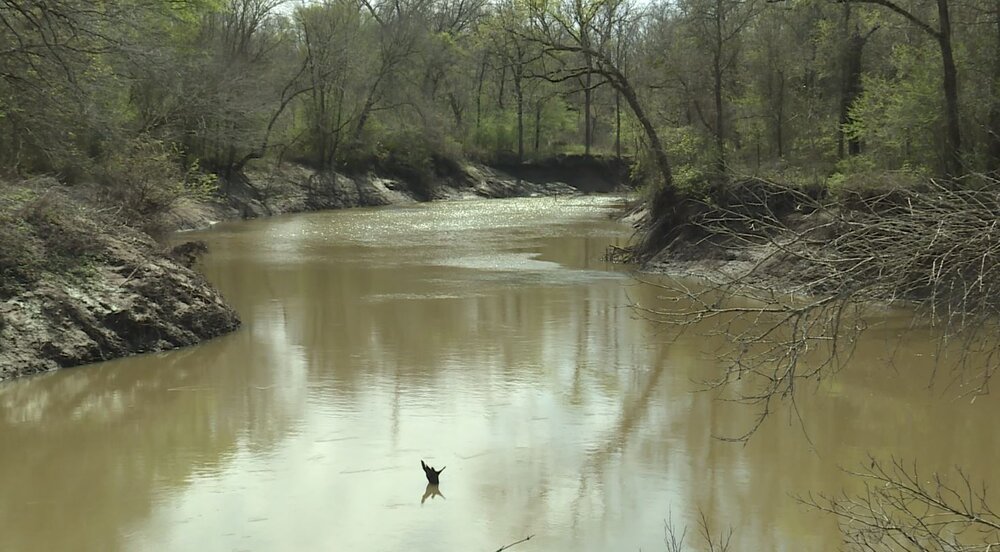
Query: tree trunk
{"type": "Point", "coordinates": [503, 83]}
{"type": "Point", "coordinates": [456, 109]}
{"type": "Point", "coordinates": [339, 124]}
{"type": "Point", "coordinates": [720, 143]}
{"type": "Point", "coordinates": [850, 91]}
{"type": "Point", "coordinates": [665, 201]}
{"type": "Point", "coordinates": [587, 92]}
{"type": "Point", "coordinates": [618, 124]}
{"type": "Point", "coordinates": [850, 86]}
{"type": "Point", "coordinates": [479, 92]}
{"type": "Point", "coordinates": [587, 123]}
{"type": "Point", "coordinates": [953, 162]}
{"type": "Point", "coordinates": [367, 108]}
{"type": "Point", "coordinates": [519, 98]}
{"type": "Point", "coordinates": [994, 120]}
{"type": "Point", "coordinates": [780, 122]}
{"type": "Point", "coordinates": [720, 134]}
{"type": "Point", "coordinates": [538, 125]}
{"type": "Point", "coordinates": [322, 125]}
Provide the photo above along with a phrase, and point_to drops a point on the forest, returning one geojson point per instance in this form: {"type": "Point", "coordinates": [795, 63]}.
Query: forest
{"type": "Point", "coordinates": [694, 92]}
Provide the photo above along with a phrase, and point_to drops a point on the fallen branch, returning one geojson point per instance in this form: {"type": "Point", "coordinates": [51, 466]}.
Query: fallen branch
{"type": "Point", "coordinates": [506, 546]}
{"type": "Point", "coordinates": [795, 304]}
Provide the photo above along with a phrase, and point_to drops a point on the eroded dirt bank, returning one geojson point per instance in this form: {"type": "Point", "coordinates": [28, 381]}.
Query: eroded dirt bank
{"type": "Point", "coordinates": [77, 288]}
{"type": "Point", "coordinates": [292, 188]}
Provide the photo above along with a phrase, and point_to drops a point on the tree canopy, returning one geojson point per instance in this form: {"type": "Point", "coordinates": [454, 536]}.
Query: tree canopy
{"type": "Point", "coordinates": [694, 90]}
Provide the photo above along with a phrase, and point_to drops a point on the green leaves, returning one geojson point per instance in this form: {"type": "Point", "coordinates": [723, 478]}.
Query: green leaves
{"type": "Point", "coordinates": [899, 118]}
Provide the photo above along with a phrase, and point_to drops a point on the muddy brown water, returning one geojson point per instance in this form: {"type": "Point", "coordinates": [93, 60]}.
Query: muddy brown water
{"type": "Point", "coordinates": [485, 336]}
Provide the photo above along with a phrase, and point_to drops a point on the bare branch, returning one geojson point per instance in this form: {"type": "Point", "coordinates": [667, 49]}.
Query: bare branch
{"type": "Point", "coordinates": [793, 304]}
{"type": "Point", "coordinates": [515, 543]}
{"type": "Point", "coordinates": [896, 8]}
{"type": "Point", "coordinates": [902, 508]}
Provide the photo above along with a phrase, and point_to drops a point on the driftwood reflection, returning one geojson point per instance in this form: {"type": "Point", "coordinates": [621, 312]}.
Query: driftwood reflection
{"type": "Point", "coordinates": [431, 491]}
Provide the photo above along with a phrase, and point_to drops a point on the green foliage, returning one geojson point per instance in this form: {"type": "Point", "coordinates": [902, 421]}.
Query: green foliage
{"type": "Point", "coordinates": [496, 134]}
{"type": "Point", "coordinates": [414, 155]}
{"type": "Point", "coordinates": [409, 156]}
{"type": "Point", "coordinates": [899, 118]}
{"type": "Point", "coordinates": [692, 157]}
{"type": "Point", "coordinates": [871, 182]}
{"type": "Point", "coordinates": [395, 86]}
{"type": "Point", "coordinates": [145, 178]}
{"type": "Point", "coordinates": [557, 125]}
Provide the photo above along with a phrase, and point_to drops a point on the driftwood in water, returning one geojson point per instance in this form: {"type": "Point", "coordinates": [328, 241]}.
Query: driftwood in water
{"type": "Point", "coordinates": [431, 473]}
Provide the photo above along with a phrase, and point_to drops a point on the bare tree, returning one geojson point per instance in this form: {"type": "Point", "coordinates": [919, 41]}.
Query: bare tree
{"type": "Point", "coordinates": [46, 47]}
{"type": "Point", "coordinates": [400, 27]}
{"type": "Point", "coordinates": [327, 30]}
{"type": "Point", "coordinates": [517, 55]}
{"type": "Point", "coordinates": [718, 26]}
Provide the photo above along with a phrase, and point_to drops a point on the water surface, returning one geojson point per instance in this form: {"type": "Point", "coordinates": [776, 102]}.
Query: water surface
{"type": "Point", "coordinates": [485, 336]}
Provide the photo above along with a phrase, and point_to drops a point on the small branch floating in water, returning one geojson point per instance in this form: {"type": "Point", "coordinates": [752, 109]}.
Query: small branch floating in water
{"type": "Point", "coordinates": [506, 546]}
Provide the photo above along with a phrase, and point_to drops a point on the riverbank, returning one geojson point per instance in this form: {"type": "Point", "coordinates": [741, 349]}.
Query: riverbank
{"type": "Point", "coordinates": [293, 188]}
{"type": "Point", "coordinates": [745, 234]}
{"type": "Point", "coordinates": [76, 287]}
{"type": "Point", "coordinates": [908, 240]}
{"type": "Point", "coordinates": [79, 286]}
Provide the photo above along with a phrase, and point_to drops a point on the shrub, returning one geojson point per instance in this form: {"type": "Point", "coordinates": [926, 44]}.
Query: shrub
{"type": "Point", "coordinates": [42, 230]}
{"type": "Point", "coordinates": [412, 155]}
{"type": "Point", "coordinates": [867, 184]}
{"type": "Point", "coordinates": [146, 179]}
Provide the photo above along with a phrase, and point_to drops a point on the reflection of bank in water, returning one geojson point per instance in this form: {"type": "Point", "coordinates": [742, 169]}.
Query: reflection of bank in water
{"type": "Point", "coordinates": [431, 491]}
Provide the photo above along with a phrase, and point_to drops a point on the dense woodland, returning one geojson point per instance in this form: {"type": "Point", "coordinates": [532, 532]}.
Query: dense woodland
{"type": "Point", "coordinates": [695, 90]}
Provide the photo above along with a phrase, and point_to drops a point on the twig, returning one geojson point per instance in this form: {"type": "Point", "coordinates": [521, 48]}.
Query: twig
{"type": "Point", "coordinates": [506, 546]}
{"type": "Point", "coordinates": [129, 277]}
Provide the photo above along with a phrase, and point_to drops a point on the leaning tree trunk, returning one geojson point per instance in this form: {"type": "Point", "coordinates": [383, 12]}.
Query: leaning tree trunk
{"type": "Point", "coordinates": [666, 209]}
{"type": "Point", "coordinates": [659, 154]}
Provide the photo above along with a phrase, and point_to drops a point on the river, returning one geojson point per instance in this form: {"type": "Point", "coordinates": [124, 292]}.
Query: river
{"type": "Point", "coordinates": [485, 336]}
